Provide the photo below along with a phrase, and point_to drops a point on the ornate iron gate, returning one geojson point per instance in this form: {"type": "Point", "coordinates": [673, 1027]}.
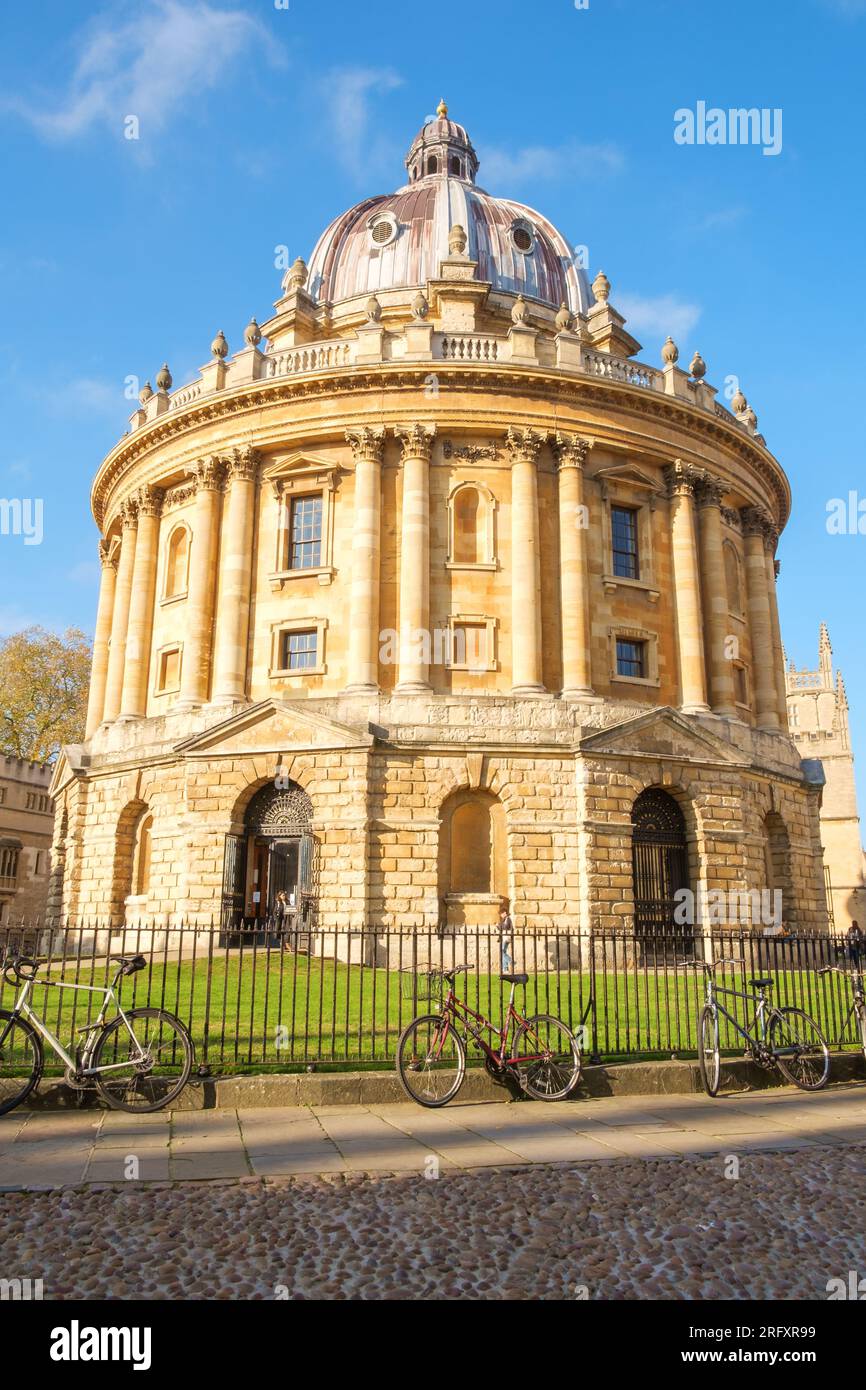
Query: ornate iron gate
{"type": "Point", "coordinates": [660, 864]}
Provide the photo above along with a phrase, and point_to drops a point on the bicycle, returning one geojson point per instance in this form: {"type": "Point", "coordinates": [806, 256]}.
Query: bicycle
{"type": "Point", "coordinates": [544, 1057]}
{"type": "Point", "coordinates": [138, 1071]}
{"type": "Point", "coordinates": [858, 1003]}
{"type": "Point", "coordinates": [787, 1038]}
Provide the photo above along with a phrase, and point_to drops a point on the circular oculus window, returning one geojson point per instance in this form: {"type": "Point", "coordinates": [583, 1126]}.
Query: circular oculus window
{"type": "Point", "coordinates": [522, 238]}
{"type": "Point", "coordinates": [383, 230]}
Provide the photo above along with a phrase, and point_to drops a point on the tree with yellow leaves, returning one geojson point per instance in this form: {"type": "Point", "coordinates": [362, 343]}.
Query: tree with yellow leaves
{"type": "Point", "coordinates": [43, 692]}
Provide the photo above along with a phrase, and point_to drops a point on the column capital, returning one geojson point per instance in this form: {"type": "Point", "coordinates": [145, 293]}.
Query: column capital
{"type": "Point", "coordinates": [570, 450]}
{"type": "Point", "coordinates": [108, 557]}
{"type": "Point", "coordinates": [710, 491]}
{"type": "Point", "coordinates": [367, 443]}
{"type": "Point", "coordinates": [682, 479]}
{"type": "Point", "coordinates": [524, 445]}
{"type": "Point", "coordinates": [148, 500]}
{"type": "Point", "coordinates": [243, 463]}
{"type": "Point", "coordinates": [207, 473]}
{"type": "Point", "coordinates": [128, 513]}
{"type": "Point", "coordinates": [757, 522]}
{"type": "Point", "coordinates": [777, 568]}
{"type": "Point", "coordinates": [417, 440]}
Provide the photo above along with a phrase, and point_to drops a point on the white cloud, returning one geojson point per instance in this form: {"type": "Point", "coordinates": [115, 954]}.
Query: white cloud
{"type": "Point", "coordinates": [85, 396]}
{"type": "Point", "coordinates": [661, 316]}
{"type": "Point", "coordinates": [721, 218]}
{"type": "Point", "coordinates": [547, 162]}
{"type": "Point", "coordinates": [147, 67]}
{"type": "Point", "coordinates": [348, 92]}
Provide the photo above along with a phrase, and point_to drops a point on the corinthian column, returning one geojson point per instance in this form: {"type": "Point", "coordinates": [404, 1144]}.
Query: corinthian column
{"type": "Point", "coordinates": [236, 569]}
{"type": "Point", "coordinates": [363, 663]}
{"type": "Point", "coordinates": [524, 446]}
{"type": "Point", "coordinates": [755, 527]}
{"type": "Point", "coordinates": [415, 639]}
{"type": "Point", "coordinates": [714, 587]}
{"type": "Point", "coordinates": [682, 482]}
{"type": "Point", "coordinates": [104, 612]}
{"type": "Point", "coordinates": [120, 612]}
{"type": "Point", "coordinates": [133, 701]}
{"type": "Point", "coordinates": [770, 542]}
{"type": "Point", "coordinates": [198, 640]}
{"type": "Point", "coordinates": [571, 454]}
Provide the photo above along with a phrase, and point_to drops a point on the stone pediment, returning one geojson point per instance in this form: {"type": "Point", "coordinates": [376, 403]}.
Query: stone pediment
{"type": "Point", "coordinates": [273, 726]}
{"type": "Point", "coordinates": [661, 733]}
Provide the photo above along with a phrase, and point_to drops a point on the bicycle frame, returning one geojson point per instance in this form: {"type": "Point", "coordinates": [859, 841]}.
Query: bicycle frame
{"type": "Point", "coordinates": [455, 1009]}
{"type": "Point", "coordinates": [22, 1009]}
{"type": "Point", "coordinates": [760, 1020]}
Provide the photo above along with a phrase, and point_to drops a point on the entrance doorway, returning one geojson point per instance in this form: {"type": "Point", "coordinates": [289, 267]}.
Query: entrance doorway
{"type": "Point", "coordinates": [660, 866]}
{"type": "Point", "coordinates": [273, 855]}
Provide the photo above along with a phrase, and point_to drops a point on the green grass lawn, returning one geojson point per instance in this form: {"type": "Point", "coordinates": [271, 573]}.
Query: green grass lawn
{"type": "Point", "coordinates": [273, 1011]}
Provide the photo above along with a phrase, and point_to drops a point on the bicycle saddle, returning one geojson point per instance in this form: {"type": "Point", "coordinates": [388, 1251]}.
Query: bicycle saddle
{"type": "Point", "coordinates": [516, 979]}
{"type": "Point", "coordinates": [129, 964]}
{"type": "Point", "coordinates": [762, 984]}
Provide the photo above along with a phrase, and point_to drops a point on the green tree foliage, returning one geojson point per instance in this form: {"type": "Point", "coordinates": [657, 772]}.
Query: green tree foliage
{"type": "Point", "coordinates": [43, 692]}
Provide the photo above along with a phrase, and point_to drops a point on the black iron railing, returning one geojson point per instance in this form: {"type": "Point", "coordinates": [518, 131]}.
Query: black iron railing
{"type": "Point", "coordinates": [272, 996]}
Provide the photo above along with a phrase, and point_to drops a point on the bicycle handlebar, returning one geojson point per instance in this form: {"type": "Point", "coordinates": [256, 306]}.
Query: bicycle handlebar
{"type": "Point", "coordinates": [709, 965]}
{"type": "Point", "coordinates": [21, 968]}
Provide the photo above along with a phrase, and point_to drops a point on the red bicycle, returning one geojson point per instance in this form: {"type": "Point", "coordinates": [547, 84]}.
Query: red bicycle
{"type": "Point", "coordinates": [544, 1057]}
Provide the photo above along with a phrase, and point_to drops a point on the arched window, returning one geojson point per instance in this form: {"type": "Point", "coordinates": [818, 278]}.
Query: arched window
{"type": "Point", "coordinates": [432, 165]}
{"type": "Point", "coordinates": [732, 579]}
{"type": "Point", "coordinates": [660, 866]}
{"type": "Point", "coordinates": [455, 165]}
{"type": "Point", "coordinates": [471, 540]}
{"type": "Point", "coordinates": [777, 865]}
{"type": "Point", "coordinates": [141, 863]}
{"type": "Point", "coordinates": [177, 562]}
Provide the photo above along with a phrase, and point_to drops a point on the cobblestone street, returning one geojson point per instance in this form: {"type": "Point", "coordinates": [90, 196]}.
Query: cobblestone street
{"type": "Point", "coordinates": [759, 1196]}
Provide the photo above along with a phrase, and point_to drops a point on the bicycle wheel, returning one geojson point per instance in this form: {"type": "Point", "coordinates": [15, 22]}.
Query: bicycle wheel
{"type": "Point", "coordinates": [861, 1018]}
{"type": "Point", "coordinates": [806, 1059]}
{"type": "Point", "coordinates": [21, 1060]}
{"type": "Point", "coordinates": [546, 1058]}
{"type": "Point", "coordinates": [431, 1060]}
{"type": "Point", "coordinates": [709, 1059]}
{"type": "Point", "coordinates": [149, 1070]}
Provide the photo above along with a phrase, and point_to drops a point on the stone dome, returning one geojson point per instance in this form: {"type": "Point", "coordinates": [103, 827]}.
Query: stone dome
{"type": "Point", "coordinates": [397, 240]}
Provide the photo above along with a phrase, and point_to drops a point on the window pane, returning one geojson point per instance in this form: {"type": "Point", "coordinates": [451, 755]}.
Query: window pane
{"type": "Point", "coordinates": [306, 551]}
{"type": "Point", "coordinates": [299, 651]}
{"type": "Point", "coordinates": [630, 658]}
{"type": "Point", "coordinates": [624, 532]}
{"type": "Point", "coordinates": [470, 646]}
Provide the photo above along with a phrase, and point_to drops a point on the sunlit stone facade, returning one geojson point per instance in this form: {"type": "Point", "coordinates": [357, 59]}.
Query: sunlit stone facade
{"type": "Point", "coordinates": [437, 560]}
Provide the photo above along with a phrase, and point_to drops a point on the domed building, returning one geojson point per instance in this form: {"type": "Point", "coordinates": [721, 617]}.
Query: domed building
{"type": "Point", "coordinates": [432, 591]}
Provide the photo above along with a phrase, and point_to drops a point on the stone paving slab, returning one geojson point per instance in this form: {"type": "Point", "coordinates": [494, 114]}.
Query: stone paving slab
{"type": "Point", "coordinates": [42, 1150]}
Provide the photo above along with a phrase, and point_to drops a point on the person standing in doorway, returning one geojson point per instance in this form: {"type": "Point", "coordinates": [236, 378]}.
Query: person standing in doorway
{"type": "Point", "coordinates": [506, 935]}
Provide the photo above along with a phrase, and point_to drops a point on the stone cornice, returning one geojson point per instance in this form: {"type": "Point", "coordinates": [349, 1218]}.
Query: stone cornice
{"type": "Point", "coordinates": [547, 384]}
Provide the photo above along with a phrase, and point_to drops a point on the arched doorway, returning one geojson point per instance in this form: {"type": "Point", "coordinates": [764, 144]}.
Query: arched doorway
{"type": "Point", "coordinates": [660, 863]}
{"type": "Point", "coordinates": [273, 855]}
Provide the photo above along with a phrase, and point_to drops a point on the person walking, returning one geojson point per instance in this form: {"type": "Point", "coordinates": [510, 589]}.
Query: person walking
{"type": "Point", "coordinates": [506, 936]}
{"type": "Point", "coordinates": [281, 918]}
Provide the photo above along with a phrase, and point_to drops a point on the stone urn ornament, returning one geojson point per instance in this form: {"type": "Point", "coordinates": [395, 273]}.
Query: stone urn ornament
{"type": "Point", "coordinates": [252, 334]}
{"type": "Point", "coordinates": [145, 393]}
{"type": "Point", "coordinates": [670, 352]}
{"type": "Point", "coordinates": [519, 310]}
{"type": "Point", "coordinates": [457, 240]}
{"type": "Point", "coordinates": [563, 319]}
{"type": "Point", "coordinates": [420, 307]}
{"type": "Point", "coordinates": [697, 367]}
{"type": "Point", "coordinates": [601, 287]}
{"type": "Point", "coordinates": [739, 403]}
{"type": "Point", "coordinates": [219, 347]}
{"type": "Point", "coordinates": [298, 274]}
{"type": "Point", "coordinates": [164, 378]}
{"type": "Point", "coordinates": [373, 309]}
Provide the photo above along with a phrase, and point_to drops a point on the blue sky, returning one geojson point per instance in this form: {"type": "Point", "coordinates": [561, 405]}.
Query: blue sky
{"type": "Point", "coordinates": [259, 123]}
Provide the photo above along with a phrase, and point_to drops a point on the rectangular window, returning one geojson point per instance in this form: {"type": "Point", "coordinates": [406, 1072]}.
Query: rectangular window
{"type": "Point", "coordinates": [741, 685]}
{"type": "Point", "coordinates": [623, 522]}
{"type": "Point", "coordinates": [37, 863]}
{"type": "Point", "coordinates": [8, 867]}
{"type": "Point", "coordinates": [299, 650]}
{"type": "Point", "coordinates": [2, 795]}
{"type": "Point", "coordinates": [31, 801]}
{"type": "Point", "coordinates": [630, 658]}
{"type": "Point", "coordinates": [469, 646]}
{"type": "Point", "coordinates": [306, 533]}
{"type": "Point", "coordinates": [169, 670]}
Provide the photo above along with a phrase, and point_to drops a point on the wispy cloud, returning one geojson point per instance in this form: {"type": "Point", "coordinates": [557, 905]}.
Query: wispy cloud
{"type": "Point", "coordinates": [721, 218]}
{"type": "Point", "coordinates": [851, 9]}
{"type": "Point", "coordinates": [350, 91]}
{"type": "Point", "coordinates": [547, 162]}
{"type": "Point", "coordinates": [148, 67]}
{"type": "Point", "coordinates": [85, 396]}
{"type": "Point", "coordinates": [666, 314]}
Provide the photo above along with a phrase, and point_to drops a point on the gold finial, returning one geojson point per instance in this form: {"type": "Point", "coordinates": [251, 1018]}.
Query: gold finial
{"type": "Point", "coordinates": [442, 109]}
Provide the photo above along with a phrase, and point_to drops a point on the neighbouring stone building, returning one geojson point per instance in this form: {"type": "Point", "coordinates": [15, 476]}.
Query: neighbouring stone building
{"type": "Point", "coordinates": [818, 717]}
{"type": "Point", "coordinates": [26, 830]}
{"type": "Point", "coordinates": [433, 591]}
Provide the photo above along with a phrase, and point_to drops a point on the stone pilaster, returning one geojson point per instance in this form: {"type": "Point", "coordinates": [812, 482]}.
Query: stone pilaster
{"type": "Point", "coordinates": [571, 454]}
{"type": "Point", "coordinates": [198, 639]}
{"type": "Point", "coordinates": [770, 542]}
{"type": "Point", "coordinates": [368, 446]}
{"type": "Point", "coordinates": [415, 639]}
{"type": "Point", "coordinates": [755, 527]}
{"type": "Point", "coordinates": [236, 571]}
{"type": "Point", "coordinates": [120, 612]}
{"type": "Point", "coordinates": [682, 482]}
{"type": "Point", "coordinates": [133, 700]}
{"type": "Point", "coordinates": [104, 614]}
{"type": "Point", "coordinates": [715, 595]}
{"type": "Point", "coordinates": [524, 446]}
